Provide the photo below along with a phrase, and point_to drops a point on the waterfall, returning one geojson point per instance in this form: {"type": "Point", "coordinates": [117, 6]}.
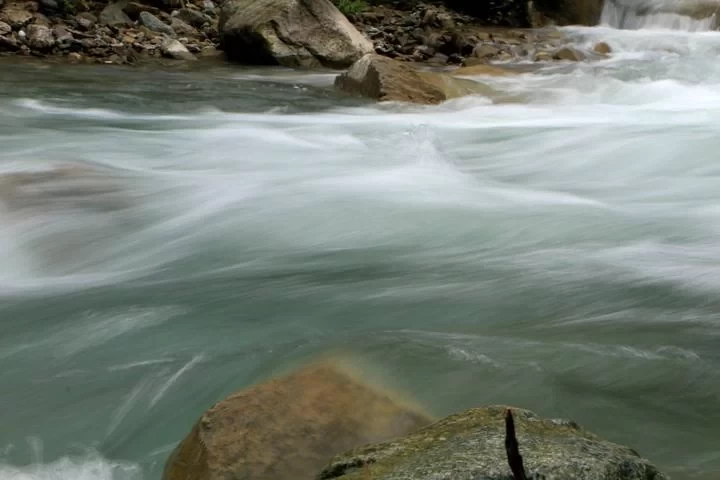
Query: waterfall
{"type": "Point", "coordinates": [686, 15]}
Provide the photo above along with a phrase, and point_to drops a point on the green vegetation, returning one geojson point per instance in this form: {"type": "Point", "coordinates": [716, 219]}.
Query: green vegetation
{"type": "Point", "coordinates": [351, 7]}
{"type": "Point", "coordinates": [66, 6]}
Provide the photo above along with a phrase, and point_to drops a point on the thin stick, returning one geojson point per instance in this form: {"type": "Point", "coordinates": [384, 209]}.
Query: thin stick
{"type": "Point", "coordinates": [512, 448]}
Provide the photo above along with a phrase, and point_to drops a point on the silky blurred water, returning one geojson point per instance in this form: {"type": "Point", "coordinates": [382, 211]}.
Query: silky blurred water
{"type": "Point", "coordinates": [212, 226]}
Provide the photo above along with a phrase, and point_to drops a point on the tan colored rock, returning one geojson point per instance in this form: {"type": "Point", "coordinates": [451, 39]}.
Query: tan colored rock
{"type": "Point", "coordinates": [40, 38]}
{"type": "Point", "coordinates": [485, 50]}
{"type": "Point", "coordinates": [15, 17]}
{"type": "Point", "coordinates": [294, 33]}
{"type": "Point", "coordinates": [542, 56]}
{"type": "Point", "coordinates": [171, 48]}
{"type": "Point", "coordinates": [114, 16]}
{"type": "Point", "coordinates": [602, 48]}
{"type": "Point", "coordinates": [288, 428]}
{"type": "Point", "coordinates": [570, 54]}
{"type": "Point", "coordinates": [75, 57]}
{"type": "Point", "coordinates": [385, 79]}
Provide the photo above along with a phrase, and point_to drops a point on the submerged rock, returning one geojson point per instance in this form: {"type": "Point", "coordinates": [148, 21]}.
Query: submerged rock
{"type": "Point", "coordinates": [294, 33]}
{"type": "Point", "coordinates": [570, 54]}
{"type": "Point", "coordinates": [471, 445]}
{"type": "Point", "coordinates": [385, 79]}
{"type": "Point", "coordinates": [289, 427]}
{"type": "Point", "coordinates": [602, 48]}
{"type": "Point", "coordinates": [71, 186]}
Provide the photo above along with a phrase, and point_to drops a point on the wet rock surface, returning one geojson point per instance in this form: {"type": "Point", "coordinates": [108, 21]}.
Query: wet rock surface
{"type": "Point", "coordinates": [289, 427]}
{"type": "Point", "coordinates": [471, 445]}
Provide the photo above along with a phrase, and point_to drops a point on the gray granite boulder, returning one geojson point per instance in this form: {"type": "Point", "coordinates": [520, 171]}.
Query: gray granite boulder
{"type": "Point", "coordinates": [471, 446]}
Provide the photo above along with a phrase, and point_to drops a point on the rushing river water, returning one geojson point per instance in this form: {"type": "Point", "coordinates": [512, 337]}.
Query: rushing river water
{"type": "Point", "coordinates": [559, 254]}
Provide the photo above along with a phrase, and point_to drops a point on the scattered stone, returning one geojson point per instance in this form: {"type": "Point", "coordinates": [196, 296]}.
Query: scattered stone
{"type": "Point", "coordinates": [310, 33]}
{"type": "Point", "coordinates": [86, 20]}
{"type": "Point", "coordinates": [113, 15]}
{"type": "Point", "coordinates": [172, 48]}
{"type": "Point", "coordinates": [542, 56]}
{"type": "Point", "coordinates": [429, 18]}
{"type": "Point", "coordinates": [472, 445]}
{"type": "Point", "coordinates": [62, 36]}
{"type": "Point", "coordinates": [155, 24]}
{"type": "Point", "coordinates": [439, 59]}
{"type": "Point", "coordinates": [17, 18]}
{"type": "Point", "coordinates": [49, 6]}
{"type": "Point", "coordinates": [485, 51]}
{"type": "Point", "coordinates": [9, 43]}
{"type": "Point", "coordinates": [192, 17]}
{"type": "Point", "coordinates": [602, 48]}
{"type": "Point", "coordinates": [75, 57]}
{"type": "Point", "coordinates": [40, 38]}
{"type": "Point", "coordinates": [384, 79]}
{"type": "Point", "coordinates": [134, 9]}
{"type": "Point", "coordinates": [445, 20]}
{"type": "Point", "coordinates": [5, 29]}
{"type": "Point", "coordinates": [182, 28]}
{"type": "Point", "coordinates": [570, 54]}
{"type": "Point", "coordinates": [289, 427]}
{"type": "Point", "coordinates": [455, 59]}
{"type": "Point", "coordinates": [40, 19]}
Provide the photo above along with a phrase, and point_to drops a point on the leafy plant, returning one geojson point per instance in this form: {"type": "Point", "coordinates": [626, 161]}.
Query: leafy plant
{"type": "Point", "coordinates": [351, 7]}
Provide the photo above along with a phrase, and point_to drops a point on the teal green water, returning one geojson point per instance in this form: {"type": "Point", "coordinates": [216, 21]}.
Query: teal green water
{"type": "Point", "coordinates": [559, 255]}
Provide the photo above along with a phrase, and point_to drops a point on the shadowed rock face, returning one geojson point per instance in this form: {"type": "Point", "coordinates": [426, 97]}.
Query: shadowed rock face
{"type": "Point", "coordinates": [567, 12]}
{"type": "Point", "coordinates": [471, 445]}
{"type": "Point", "coordinates": [289, 427]}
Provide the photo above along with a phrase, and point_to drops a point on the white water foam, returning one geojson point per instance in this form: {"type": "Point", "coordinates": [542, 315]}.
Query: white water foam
{"type": "Point", "coordinates": [89, 466]}
{"type": "Point", "coordinates": [657, 14]}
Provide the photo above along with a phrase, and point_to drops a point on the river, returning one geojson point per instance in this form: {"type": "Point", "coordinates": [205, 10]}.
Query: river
{"type": "Point", "coordinates": [559, 254]}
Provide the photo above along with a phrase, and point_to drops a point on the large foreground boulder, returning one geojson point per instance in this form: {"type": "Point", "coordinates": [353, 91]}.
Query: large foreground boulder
{"type": "Point", "coordinates": [385, 79]}
{"type": "Point", "coordinates": [471, 445]}
{"type": "Point", "coordinates": [289, 427]}
{"type": "Point", "coordinates": [294, 33]}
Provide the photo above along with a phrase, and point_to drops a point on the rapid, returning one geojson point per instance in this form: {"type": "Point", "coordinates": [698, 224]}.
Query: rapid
{"type": "Point", "coordinates": [204, 228]}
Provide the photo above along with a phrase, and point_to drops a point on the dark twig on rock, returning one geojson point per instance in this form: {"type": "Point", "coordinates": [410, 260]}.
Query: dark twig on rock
{"type": "Point", "coordinates": [511, 447]}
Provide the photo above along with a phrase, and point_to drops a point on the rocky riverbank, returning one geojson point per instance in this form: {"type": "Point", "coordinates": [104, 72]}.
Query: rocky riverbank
{"type": "Point", "coordinates": [114, 33]}
{"type": "Point", "coordinates": [125, 32]}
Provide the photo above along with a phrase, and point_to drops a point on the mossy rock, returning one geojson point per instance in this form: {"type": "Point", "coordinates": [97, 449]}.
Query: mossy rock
{"type": "Point", "coordinates": [471, 446]}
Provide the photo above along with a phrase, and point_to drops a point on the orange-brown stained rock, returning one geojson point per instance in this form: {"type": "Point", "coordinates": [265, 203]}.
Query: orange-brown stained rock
{"type": "Point", "coordinates": [289, 427]}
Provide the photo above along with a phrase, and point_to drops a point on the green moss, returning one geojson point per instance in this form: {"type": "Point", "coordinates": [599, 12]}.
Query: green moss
{"type": "Point", "coordinates": [351, 7]}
